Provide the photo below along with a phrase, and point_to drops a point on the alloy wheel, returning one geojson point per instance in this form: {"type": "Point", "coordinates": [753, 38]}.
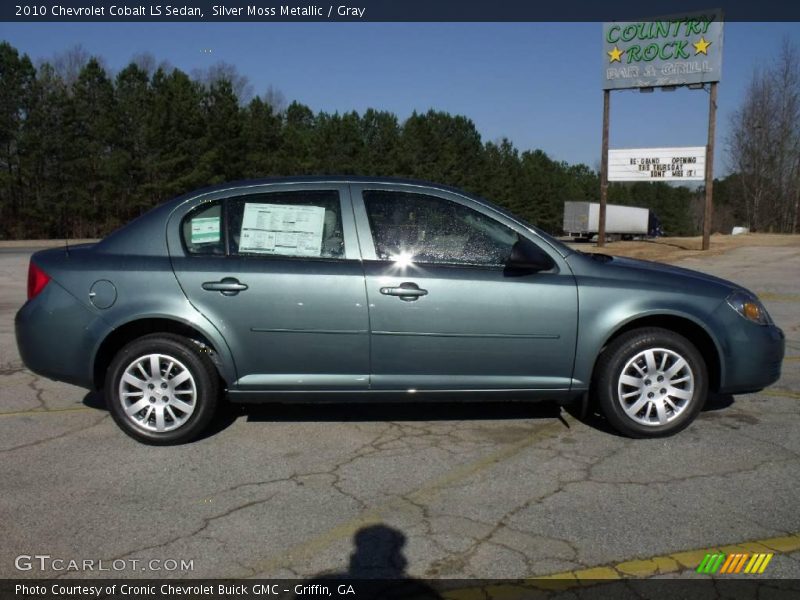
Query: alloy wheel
{"type": "Point", "coordinates": [158, 393]}
{"type": "Point", "coordinates": [655, 386]}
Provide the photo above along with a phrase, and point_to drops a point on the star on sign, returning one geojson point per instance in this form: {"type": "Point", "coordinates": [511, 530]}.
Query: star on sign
{"type": "Point", "coordinates": [615, 54]}
{"type": "Point", "coordinates": [701, 47]}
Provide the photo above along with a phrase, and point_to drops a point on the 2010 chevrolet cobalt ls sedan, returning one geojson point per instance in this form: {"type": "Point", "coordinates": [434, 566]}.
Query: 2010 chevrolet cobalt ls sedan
{"type": "Point", "coordinates": [361, 289]}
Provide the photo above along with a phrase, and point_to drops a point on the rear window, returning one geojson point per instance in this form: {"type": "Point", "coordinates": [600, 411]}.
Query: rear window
{"type": "Point", "coordinates": [202, 230]}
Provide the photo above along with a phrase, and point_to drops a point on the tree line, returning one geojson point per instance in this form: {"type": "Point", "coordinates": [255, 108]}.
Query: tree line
{"type": "Point", "coordinates": [83, 151]}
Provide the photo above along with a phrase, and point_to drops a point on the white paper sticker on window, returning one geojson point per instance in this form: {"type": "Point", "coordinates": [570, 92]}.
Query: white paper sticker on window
{"type": "Point", "coordinates": [205, 230]}
{"type": "Point", "coordinates": [284, 229]}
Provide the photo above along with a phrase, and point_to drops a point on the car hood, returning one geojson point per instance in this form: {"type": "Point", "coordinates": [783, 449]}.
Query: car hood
{"type": "Point", "coordinates": [656, 268]}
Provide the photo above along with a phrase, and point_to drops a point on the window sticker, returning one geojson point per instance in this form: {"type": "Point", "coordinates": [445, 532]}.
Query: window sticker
{"type": "Point", "coordinates": [283, 229]}
{"type": "Point", "coordinates": [205, 230]}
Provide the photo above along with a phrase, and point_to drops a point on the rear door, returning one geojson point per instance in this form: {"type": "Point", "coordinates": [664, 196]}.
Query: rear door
{"type": "Point", "coordinates": [444, 312]}
{"type": "Point", "coordinates": [277, 270]}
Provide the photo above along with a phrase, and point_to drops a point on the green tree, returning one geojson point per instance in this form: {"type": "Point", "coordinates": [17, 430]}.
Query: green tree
{"type": "Point", "coordinates": [296, 155]}
{"type": "Point", "coordinates": [440, 147]}
{"type": "Point", "coordinates": [17, 79]}
{"type": "Point", "coordinates": [93, 139]}
{"type": "Point", "coordinates": [338, 144]}
{"type": "Point", "coordinates": [222, 158]}
{"type": "Point", "coordinates": [380, 132]}
{"type": "Point", "coordinates": [262, 139]}
{"type": "Point", "coordinates": [46, 145]}
{"type": "Point", "coordinates": [544, 204]}
{"type": "Point", "coordinates": [133, 100]}
{"type": "Point", "coordinates": [501, 176]}
{"type": "Point", "coordinates": [176, 132]}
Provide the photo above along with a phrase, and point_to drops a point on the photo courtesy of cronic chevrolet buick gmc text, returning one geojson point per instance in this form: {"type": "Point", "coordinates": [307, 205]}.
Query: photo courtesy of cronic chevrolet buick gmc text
{"type": "Point", "coordinates": [359, 289]}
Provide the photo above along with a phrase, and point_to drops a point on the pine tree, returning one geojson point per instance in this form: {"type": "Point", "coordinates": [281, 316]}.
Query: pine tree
{"type": "Point", "coordinates": [176, 131]}
{"type": "Point", "coordinates": [93, 139]}
{"type": "Point", "coordinates": [262, 139]}
{"type": "Point", "coordinates": [17, 78]}
{"type": "Point", "coordinates": [222, 158]}
{"type": "Point", "coordinates": [133, 101]}
{"type": "Point", "coordinates": [380, 133]}
{"type": "Point", "coordinates": [46, 145]}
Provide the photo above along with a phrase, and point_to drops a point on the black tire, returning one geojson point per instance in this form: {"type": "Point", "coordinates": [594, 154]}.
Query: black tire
{"type": "Point", "coordinates": [204, 394]}
{"type": "Point", "coordinates": [607, 385]}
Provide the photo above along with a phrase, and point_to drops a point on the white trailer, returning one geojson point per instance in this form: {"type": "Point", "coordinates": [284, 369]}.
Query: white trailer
{"type": "Point", "coordinates": [581, 220]}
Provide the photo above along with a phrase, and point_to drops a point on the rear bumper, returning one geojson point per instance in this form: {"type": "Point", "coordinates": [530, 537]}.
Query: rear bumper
{"type": "Point", "coordinates": [54, 336]}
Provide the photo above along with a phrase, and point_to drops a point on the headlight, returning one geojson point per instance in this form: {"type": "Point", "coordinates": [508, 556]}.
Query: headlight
{"type": "Point", "coordinates": [749, 307]}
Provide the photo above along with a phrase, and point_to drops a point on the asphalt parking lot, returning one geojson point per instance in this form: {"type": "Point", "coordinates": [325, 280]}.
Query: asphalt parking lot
{"type": "Point", "coordinates": [430, 491]}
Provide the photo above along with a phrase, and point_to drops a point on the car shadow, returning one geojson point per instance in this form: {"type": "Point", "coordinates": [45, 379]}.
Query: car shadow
{"type": "Point", "coordinates": [718, 402]}
{"type": "Point", "coordinates": [95, 399]}
{"type": "Point", "coordinates": [225, 416]}
{"type": "Point", "coordinates": [591, 416]}
{"type": "Point", "coordinates": [474, 410]}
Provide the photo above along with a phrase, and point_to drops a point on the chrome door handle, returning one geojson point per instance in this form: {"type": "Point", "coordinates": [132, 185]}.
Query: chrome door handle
{"type": "Point", "coordinates": [406, 291]}
{"type": "Point", "coordinates": [229, 286]}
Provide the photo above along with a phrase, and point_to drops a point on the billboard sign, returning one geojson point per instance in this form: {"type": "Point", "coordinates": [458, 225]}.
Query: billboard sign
{"type": "Point", "coordinates": [687, 163]}
{"type": "Point", "coordinates": [667, 52]}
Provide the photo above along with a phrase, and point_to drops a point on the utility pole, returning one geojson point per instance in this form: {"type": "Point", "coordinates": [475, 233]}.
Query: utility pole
{"type": "Point", "coordinates": [601, 226]}
{"type": "Point", "coordinates": [709, 207]}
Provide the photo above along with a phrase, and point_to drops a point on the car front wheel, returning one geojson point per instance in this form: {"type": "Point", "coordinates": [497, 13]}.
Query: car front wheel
{"type": "Point", "coordinates": [161, 389]}
{"type": "Point", "coordinates": [651, 382]}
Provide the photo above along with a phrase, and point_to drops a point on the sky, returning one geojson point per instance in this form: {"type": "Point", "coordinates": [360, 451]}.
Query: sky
{"type": "Point", "coordinates": [538, 84]}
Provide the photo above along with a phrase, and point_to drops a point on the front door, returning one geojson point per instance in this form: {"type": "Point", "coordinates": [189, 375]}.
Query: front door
{"type": "Point", "coordinates": [277, 271]}
{"type": "Point", "coordinates": [444, 312]}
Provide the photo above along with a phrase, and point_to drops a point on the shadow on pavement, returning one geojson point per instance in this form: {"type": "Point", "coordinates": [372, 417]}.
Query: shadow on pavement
{"type": "Point", "coordinates": [400, 411]}
{"type": "Point", "coordinates": [432, 410]}
{"type": "Point", "coordinates": [377, 568]}
{"type": "Point", "coordinates": [592, 417]}
{"type": "Point", "coordinates": [718, 402]}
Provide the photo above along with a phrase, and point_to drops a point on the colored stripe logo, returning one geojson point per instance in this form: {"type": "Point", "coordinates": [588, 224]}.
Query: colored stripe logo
{"type": "Point", "coordinates": [734, 563]}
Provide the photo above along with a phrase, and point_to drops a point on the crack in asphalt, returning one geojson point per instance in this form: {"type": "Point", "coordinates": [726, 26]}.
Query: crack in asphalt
{"type": "Point", "coordinates": [64, 434]}
{"type": "Point", "coordinates": [461, 559]}
{"type": "Point", "coordinates": [413, 498]}
{"type": "Point", "coordinates": [206, 522]}
{"type": "Point", "coordinates": [12, 370]}
{"type": "Point", "coordinates": [38, 391]}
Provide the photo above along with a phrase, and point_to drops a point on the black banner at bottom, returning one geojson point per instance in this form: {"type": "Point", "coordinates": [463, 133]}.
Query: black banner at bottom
{"type": "Point", "coordinates": [397, 589]}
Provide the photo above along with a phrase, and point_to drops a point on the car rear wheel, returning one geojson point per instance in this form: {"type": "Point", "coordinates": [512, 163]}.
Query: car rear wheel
{"type": "Point", "coordinates": [161, 389]}
{"type": "Point", "coordinates": [651, 382]}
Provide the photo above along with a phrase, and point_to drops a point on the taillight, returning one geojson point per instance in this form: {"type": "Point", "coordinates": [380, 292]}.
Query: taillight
{"type": "Point", "coordinates": [37, 279]}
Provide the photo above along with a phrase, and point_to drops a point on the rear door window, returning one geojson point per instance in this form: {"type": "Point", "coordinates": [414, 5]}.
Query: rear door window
{"type": "Point", "coordinates": [303, 224]}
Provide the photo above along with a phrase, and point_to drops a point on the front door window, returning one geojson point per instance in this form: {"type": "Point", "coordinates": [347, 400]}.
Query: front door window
{"type": "Point", "coordinates": [409, 227]}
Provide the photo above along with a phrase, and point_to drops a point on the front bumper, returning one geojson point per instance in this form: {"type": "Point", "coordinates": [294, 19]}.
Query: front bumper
{"type": "Point", "coordinates": [753, 355]}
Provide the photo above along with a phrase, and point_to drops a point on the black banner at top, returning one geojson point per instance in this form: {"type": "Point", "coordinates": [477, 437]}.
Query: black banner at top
{"type": "Point", "coordinates": [384, 10]}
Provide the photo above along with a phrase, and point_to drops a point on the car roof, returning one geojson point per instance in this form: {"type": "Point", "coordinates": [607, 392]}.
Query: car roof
{"type": "Point", "coordinates": [242, 183]}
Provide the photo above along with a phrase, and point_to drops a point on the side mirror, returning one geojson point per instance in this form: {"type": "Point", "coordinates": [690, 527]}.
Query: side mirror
{"type": "Point", "coordinates": [528, 257]}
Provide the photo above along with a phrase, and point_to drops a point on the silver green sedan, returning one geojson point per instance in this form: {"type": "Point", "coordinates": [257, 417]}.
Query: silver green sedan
{"type": "Point", "coordinates": [370, 289]}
